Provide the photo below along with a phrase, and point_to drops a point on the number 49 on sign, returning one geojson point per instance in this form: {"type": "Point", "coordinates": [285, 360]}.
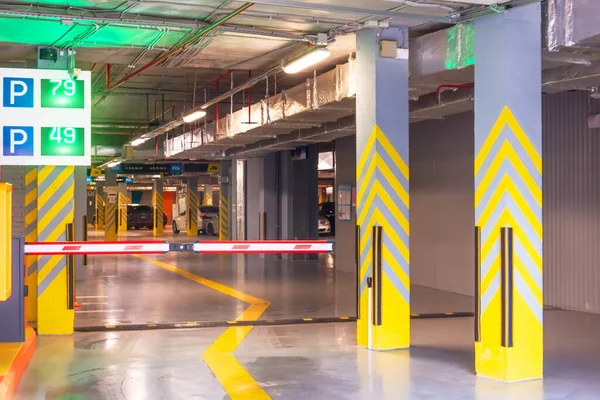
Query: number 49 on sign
{"type": "Point", "coordinates": [61, 141]}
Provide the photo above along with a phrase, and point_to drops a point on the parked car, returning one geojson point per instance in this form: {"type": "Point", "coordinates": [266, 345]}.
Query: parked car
{"type": "Point", "coordinates": [327, 211]}
{"type": "Point", "coordinates": [208, 221]}
{"type": "Point", "coordinates": [142, 216]}
{"type": "Point", "coordinates": [324, 226]}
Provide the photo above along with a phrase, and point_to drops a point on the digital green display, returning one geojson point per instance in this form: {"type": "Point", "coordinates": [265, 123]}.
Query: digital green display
{"type": "Point", "coordinates": [58, 141]}
{"type": "Point", "coordinates": [62, 93]}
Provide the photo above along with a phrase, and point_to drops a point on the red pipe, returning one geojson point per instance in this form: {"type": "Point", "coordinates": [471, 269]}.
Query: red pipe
{"type": "Point", "coordinates": [107, 76]}
{"type": "Point", "coordinates": [215, 81]}
{"type": "Point", "coordinates": [183, 46]}
{"type": "Point", "coordinates": [467, 86]}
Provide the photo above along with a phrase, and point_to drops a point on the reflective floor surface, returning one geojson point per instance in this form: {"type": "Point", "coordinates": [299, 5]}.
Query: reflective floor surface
{"type": "Point", "coordinates": [308, 362]}
{"type": "Point", "coordinates": [279, 362]}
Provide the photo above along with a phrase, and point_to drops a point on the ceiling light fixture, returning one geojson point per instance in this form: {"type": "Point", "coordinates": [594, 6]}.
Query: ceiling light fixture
{"type": "Point", "coordinates": [138, 141]}
{"type": "Point", "coordinates": [306, 60]}
{"type": "Point", "coordinates": [113, 164]}
{"type": "Point", "coordinates": [196, 115]}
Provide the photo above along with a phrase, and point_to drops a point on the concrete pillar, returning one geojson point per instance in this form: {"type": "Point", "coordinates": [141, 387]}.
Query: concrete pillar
{"type": "Point", "coordinates": [298, 197]}
{"type": "Point", "coordinates": [110, 207]}
{"type": "Point", "coordinates": [55, 208]}
{"type": "Point", "coordinates": [238, 200]}
{"type": "Point", "coordinates": [158, 204]}
{"type": "Point", "coordinates": [225, 201]}
{"type": "Point", "coordinates": [123, 200]}
{"type": "Point", "coordinates": [262, 216]}
{"type": "Point", "coordinates": [345, 177]}
{"type": "Point", "coordinates": [207, 199]}
{"type": "Point", "coordinates": [382, 186]}
{"type": "Point", "coordinates": [192, 207]}
{"type": "Point", "coordinates": [508, 195]}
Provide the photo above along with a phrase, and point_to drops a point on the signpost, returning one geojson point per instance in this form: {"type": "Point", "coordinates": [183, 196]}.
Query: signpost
{"type": "Point", "coordinates": [45, 117]}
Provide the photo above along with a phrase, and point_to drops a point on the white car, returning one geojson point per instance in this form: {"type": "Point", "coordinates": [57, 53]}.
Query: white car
{"type": "Point", "coordinates": [324, 225]}
{"type": "Point", "coordinates": [208, 221]}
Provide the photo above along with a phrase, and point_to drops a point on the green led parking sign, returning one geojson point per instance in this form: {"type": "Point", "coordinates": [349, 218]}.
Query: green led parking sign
{"type": "Point", "coordinates": [60, 141]}
{"type": "Point", "coordinates": [62, 93]}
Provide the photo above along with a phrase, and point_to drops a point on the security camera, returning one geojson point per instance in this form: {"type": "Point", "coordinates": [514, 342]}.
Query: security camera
{"type": "Point", "coordinates": [74, 73]}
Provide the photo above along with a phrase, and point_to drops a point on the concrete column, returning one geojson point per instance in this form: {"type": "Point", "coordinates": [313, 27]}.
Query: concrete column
{"type": "Point", "coordinates": [158, 205]}
{"type": "Point", "coordinates": [192, 207]}
{"type": "Point", "coordinates": [238, 200]}
{"type": "Point", "coordinates": [124, 200]}
{"type": "Point", "coordinates": [382, 186]}
{"type": "Point", "coordinates": [262, 216]}
{"type": "Point", "coordinates": [508, 195]}
{"type": "Point", "coordinates": [345, 175]}
{"type": "Point", "coordinates": [225, 201]}
{"type": "Point", "coordinates": [298, 197]}
{"type": "Point", "coordinates": [207, 199]}
{"type": "Point", "coordinates": [110, 207]}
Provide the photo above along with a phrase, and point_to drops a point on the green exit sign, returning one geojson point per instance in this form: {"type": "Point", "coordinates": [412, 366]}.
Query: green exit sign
{"type": "Point", "coordinates": [60, 141]}
{"type": "Point", "coordinates": [62, 93]}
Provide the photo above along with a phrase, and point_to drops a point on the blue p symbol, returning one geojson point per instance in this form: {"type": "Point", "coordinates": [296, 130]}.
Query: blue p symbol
{"type": "Point", "coordinates": [18, 92]}
{"type": "Point", "coordinates": [17, 141]}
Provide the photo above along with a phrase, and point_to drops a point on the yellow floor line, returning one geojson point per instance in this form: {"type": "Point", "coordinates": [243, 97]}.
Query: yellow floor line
{"type": "Point", "coordinates": [234, 378]}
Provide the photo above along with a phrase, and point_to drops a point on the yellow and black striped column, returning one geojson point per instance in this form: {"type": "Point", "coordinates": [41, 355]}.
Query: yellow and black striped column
{"type": "Point", "coordinates": [508, 196]}
{"type": "Point", "coordinates": [158, 204]}
{"type": "Point", "coordinates": [123, 201]}
{"type": "Point", "coordinates": [193, 204]}
{"type": "Point", "coordinates": [100, 213]}
{"type": "Point", "coordinates": [383, 190]}
{"type": "Point", "coordinates": [31, 229]}
{"type": "Point", "coordinates": [223, 218]}
{"type": "Point", "coordinates": [54, 210]}
{"type": "Point", "coordinates": [111, 215]}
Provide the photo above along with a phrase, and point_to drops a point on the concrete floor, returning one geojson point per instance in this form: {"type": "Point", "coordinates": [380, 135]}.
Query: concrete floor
{"type": "Point", "coordinates": [280, 362]}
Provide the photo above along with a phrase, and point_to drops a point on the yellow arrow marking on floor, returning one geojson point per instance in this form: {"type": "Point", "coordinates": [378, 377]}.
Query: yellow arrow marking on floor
{"type": "Point", "coordinates": [237, 382]}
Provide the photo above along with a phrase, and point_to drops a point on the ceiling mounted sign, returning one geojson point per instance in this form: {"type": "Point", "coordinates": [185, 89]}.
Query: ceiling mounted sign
{"type": "Point", "coordinates": [45, 117]}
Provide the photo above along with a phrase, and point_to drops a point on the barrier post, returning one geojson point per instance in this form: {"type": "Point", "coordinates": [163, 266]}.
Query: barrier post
{"type": "Point", "coordinates": [506, 277]}
{"type": "Point", "coordinates": [70, 229]}
{"type": "Point", "coordinates": [377, 275]}
{"type": "Point", "coordinates": [477, 284]}
{"type": "Point", "coordinates": [5, 240]}
{"type": "Point", "coordinates": [84, 237]}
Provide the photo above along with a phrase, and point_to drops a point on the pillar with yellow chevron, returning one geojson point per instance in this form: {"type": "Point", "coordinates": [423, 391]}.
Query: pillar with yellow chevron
{"type": "Point", "coordinates": [382, 188]}
{"type": "Point", "coordinates": [508, 196]}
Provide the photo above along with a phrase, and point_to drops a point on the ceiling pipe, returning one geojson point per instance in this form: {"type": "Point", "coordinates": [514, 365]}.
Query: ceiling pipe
{"type": "Point", "coordinates": [179, 48]}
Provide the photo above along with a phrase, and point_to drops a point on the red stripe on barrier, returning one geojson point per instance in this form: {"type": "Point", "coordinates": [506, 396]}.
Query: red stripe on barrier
{"type": "Point", "coordinates": [302, 247]}
{"type": "Point", "coordinates": [133, 247]}
{"type": "Point", "coordinates": [71, 248]}
{"type": "Point", "coordinates": [240, 247]}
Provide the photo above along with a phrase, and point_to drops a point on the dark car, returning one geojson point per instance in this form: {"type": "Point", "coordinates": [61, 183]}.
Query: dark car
{"type": "Point", "coordinates": [141, 216]}
{"type": "Point", "coordinates": [327, 211]}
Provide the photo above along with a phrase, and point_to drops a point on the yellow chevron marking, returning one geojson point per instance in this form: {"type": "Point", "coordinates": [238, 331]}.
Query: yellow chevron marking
{"type": "Point", "coordinates": [531, 284]}
{"type": "Point", "coordinates": [30, 217]}
{"type": "Point", "coordinates": [388, 230]}
{"type": "Point", "coordinates": [365, 181]}
{"type": "Point", "coordinates": [60, 179]}
{"type": "Point", "coordinates": [507, 186]}
{"type": "Point", "coordinates": [389, 148]}
{"type": "Point", "coordinates": [507, 118]}
{"type": "Point", "coordinates": [506, 219]}
{"type": "Point", "coordinates": [507, 152]}
{"type": "Point", "coordinates": [395, 265]}
{"type": "Point", "coordinates": [31, 176]}
{"type": "Point", "coordinates": [48, 267]}
{"type": "Point", "coordinates": [396, 213]}
{"type": "Point", "coordinates": [367, 150]}
{"type": "Point", "coordinates": [489, 276]}
{"type": "Point", "coordinates": [366, 232]}
{"type": "Point", "coordinates": [60, 204]}
{"type": "Point", "coordinates": [30, 197]}
{"type": "Point", "coordinates": [392, 180]}
{"type": "Point", "coordinates": [44, 172]}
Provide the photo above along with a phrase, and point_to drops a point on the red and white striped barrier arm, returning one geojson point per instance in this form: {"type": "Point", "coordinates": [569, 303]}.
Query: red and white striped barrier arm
{"type": "Point", "coordinates": [264, 247]}
{"type": "Point", "coordinates": [80, 248]}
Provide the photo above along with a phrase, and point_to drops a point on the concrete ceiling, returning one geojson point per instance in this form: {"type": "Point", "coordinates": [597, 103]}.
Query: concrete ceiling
{"type": "Point", "coordinates": [129, 34]}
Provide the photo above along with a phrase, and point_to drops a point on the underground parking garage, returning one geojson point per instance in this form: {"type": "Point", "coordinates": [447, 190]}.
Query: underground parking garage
{"type": "Point", "coordinates": [286, 199]}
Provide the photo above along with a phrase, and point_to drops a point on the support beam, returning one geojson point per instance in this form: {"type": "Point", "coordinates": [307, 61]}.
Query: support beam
{"type": "Point", "coordinates": [225, 201]}
{"type": "Point", "coordinates": [508, 195]}
{"type": "Point", "coordinates": [158, 204]}
{"type": "Point", "coordinates": [382, 188]}
{"type": "Point", "coordinates": [192, 207]}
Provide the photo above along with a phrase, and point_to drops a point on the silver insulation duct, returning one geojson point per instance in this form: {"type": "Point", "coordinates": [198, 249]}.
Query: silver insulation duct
{"type": "Point", "coordinates": [572, 25]}
{"type": "Point", "coordinates": [318, 100]}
